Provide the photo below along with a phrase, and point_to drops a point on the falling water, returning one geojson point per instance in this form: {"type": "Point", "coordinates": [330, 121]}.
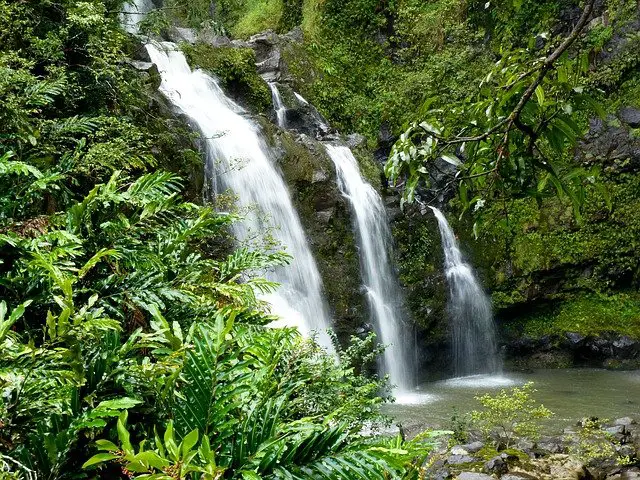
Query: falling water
{"type": "Point", "coordinates": [473, 330]}
{"type": "Point", "coordinates": [383, 292]}
{"type": "Point", "coordinates": [300, 98]}
{"type": "Point", "coordinates": [232, 139]}
{"type": "Point", "coordinates": [278, 106]}
{"type": "Point", "coordinates": [133, 13]}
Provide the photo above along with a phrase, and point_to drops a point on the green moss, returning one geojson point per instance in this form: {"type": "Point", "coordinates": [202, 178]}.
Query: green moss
{"type": "Point", "coordinates": [326, 219]}
{"type": "Point", "coordinates": [540, 254]}
{"type": "Point", "coordinates": [587, 315]}
{"type": "Point", "coordinates": [419, 259]}
{"type": "Point", "coordinates": [235, 67]}
{"type": "Point", "coordinates": [258, 16]}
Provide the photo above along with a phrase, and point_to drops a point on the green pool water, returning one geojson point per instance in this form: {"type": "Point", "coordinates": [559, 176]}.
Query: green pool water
{"type": "Point", "coordinates": [570, 393]}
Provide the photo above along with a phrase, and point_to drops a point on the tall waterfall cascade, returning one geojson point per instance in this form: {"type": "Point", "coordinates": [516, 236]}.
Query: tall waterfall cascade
{"type": "Point", "coordinates": [383, 293]}
{"type": "Point", "coordinates": [238, 159]}
{"type": "Point", "coordinates": [472, 327]}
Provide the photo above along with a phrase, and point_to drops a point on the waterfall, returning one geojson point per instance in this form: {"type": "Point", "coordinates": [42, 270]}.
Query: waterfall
{"type": "Point", "coordinates": [238, 159]}
{"type": "Point", "coordinates": [133, 13]}
{"type": "Point", "coordinates": [473, 330]}
{"type": "Point", "coordinates": [374, 240]}
{"type": "Point", "coordinates": [279, 107]}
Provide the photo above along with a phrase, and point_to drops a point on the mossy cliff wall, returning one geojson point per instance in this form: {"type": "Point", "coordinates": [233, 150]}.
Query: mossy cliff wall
{"type": "Point", "coordinates": [309, 174]}
{"type": "Point", "coordinates": [369, 65]}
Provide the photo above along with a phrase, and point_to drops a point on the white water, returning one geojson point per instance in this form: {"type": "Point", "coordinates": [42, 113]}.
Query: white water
{"type": "Point", "coordinates": [473, 330]}
{"type": "Point", "coordinates": [383, 292]}
{"type": "Point", "coordinates": [238, 159]}
{"type": "Point", "coordinates": [133, 13]}
{"type": "Point", "coordinates": [300, 98]}
{"type": "Point", "coordinates": [278, 105]}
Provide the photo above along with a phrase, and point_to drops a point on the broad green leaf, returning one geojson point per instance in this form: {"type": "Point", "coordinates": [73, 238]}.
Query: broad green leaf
{"type": "Point", "coordinates": [189, 441]}
{"type": "Point", "coordinates": [540, 95]}
{"type": "Point", "coordinates": [106, 445]}
{"type": "Point", "coordinates": [99, 458]}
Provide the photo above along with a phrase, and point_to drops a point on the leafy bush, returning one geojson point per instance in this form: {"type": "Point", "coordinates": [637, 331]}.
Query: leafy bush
{"type": "Point", "coordinates": [127, 316]}
{"type": "Point", "coordinates": [593, 442]}
{"type": "Point", "coordinates": [510, 414]}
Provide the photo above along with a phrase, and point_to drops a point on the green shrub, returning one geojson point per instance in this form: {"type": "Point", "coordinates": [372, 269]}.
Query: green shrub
{"type": "Point", "coordinates": [510, 414]}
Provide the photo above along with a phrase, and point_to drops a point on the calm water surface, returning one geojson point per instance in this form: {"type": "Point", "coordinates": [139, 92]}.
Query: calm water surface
{"type": "Point", "coordinates": [570, 393]}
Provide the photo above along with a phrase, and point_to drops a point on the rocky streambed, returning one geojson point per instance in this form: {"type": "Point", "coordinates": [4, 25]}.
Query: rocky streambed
{"type": "Point", "coordinates": [608, 452]}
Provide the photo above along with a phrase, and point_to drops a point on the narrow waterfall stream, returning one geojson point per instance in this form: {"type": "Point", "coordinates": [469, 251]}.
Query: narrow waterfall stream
{"type": "Point", "coordinates": [278, 106]}
{"type": "Point", "coordinates": [383, 292]}
{"type": "Point", "coordinates": [238, 159]}
{"type": "Point", "coordinates": [472, 326]}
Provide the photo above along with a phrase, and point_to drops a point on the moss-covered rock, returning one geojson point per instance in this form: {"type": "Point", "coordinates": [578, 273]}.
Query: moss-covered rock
{"type": "Point", "coordinates": [236, 69]}
{"type": "Point", "coordinates": [325, 216]}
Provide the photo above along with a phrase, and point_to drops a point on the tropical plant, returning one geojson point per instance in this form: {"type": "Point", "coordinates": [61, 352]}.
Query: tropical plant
{"type": "Point", "coordinates": [514, 139]}
{"type": "Point", "coordinates": [510, 414]}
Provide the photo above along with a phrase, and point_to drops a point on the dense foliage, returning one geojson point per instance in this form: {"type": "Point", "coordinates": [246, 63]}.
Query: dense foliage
{"type": "Point", "coordinates": [133, 341]}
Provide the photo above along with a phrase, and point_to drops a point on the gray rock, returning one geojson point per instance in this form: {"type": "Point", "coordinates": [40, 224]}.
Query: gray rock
{"type": "Point", "coordinates": [180, 34]}
{"type": "Point", "coordinates": [459, 459]}
{"type": "Point", "coordinates": [474, 476]}
{"type": "Point", "coordinates": [627, 451]}
{"type": "Point", "coordinates": [631, 475]}
{"type": "Point", "coordinates": [442, 474]}
{"type": "Point", "coordinates": [612, 145]}
{"type": "Point", "coordinates": [355, 140]}
{"type": "Point", "coordinates": [459, 450]}
{"type": "Point", "coordinates": [575, 339]}
{"type": "Point", "coordinates": [473, 447]}
{"type": "Point", "coordinates": [630, 116]}
{"type": "Point", "coordinates": [549, 446]}
{"type": "Point", "coordinates": [496, 465]}
{"type": "Point", "coordinates": [518, 476]}
{"type": "Point", "coordinates": [142, 66]}
{"type": "Point", "coordinates": [325, 216]}
{"type": "Point", "coordinates": [616, 430]}
{"type": "Point", "coordinates": [210, 37]}
{"type": "Point", "coordinates": [319, 176]}
{"type": "Point", "coordinates": [267, 48]}
{"type": "Point", "coordinates": [625, 347]}
{"type": "Point", "coordinates": [625, 421]}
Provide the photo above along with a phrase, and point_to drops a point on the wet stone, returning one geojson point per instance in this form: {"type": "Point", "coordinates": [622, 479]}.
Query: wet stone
{"type": "Point", "coordinates": [459, 459]}
{"type": "Point", "coordinates": [473, 447]}
{"type": "Point", "coordinates": [459, 450]}
{"type": "Point", "coordinates": [625, 421]}
{"type": "Point", "coordinates": [474, 476]}
{"type": "Point", "coordinates": [496, 465]}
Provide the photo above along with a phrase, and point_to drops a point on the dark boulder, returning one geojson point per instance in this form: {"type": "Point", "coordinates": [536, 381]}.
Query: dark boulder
{"type": "Point", "coordinates": [496, 465]}
{"type": "Point", "coordinates": [630, 116]}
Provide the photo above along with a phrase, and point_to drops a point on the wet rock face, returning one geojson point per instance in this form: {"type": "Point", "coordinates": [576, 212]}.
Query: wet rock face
{"type": "Point", "coordinates": [302, 117]}
{"type": "Point", "coordinates": [193, 36]}
{"type": "Point", "coordinates": [325, 216]}
{"type": "Point", "coordinates": [269, 48]}
{"type": "Point", "coordinates": [630, 116]}
{"type": "Point", "coordinates": [610, 142]}
{"type": "Point", "coordinates": [573, 349]}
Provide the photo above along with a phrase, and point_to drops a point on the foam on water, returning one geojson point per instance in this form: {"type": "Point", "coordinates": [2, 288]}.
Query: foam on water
{"type": "Point", "coordinates": [481, 381]}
